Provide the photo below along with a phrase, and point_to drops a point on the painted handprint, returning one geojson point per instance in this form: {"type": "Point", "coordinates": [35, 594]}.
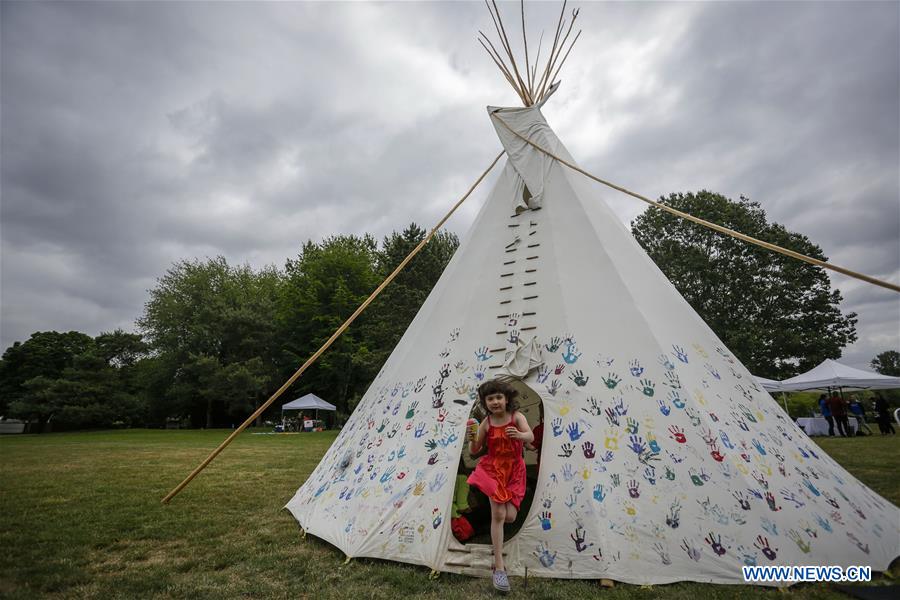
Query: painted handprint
{"type": "Point", "coordinates": [680, 354]}
{"type": "Point", "coordinates": [663, 407]}
{"type": "Point", "coordinates": [673, 518]}
{"type": "Point", "coordinates": [482, 354]}
{"type": "Point", "coordinates": [798, 539]}
{"type": "Point", "coordinates": [648, 388]}
{"type": "Point", "coordinates": [411, 410]}
{"type": "Point", "coordinates": [543, 373]}
{"type": "Point", "coordinates": [675, 398]}
{"type": "Point", "coordinates": [571, 355]}
{"type": "Point", "coordinates": [612, 439]}
{"type": "Point", "coordinates": [579, 537]}
{"type": "Point", "coordinates": [677, 434]}
{"type": "Point", "coordinates": [574, 432]}
{"type": "Point", "coordinates": [553, 346]}
{"type": "Point", "coordinates": [635, 368]}
{"type": "Point", "coordinates": [665, 362]}
{"type": "Point", "coordinates": [663, 553]}
{"type": "Point", "coordinates": [556, 427]}
{"type": "Point", "coordinates": [543, 554]}
{"type": "Point", "coordinates": [579, 378]}
{"type": "Point", "coordinates": [553, 387]}
{"type": "Point", "coordinates": [715, 542]}
{"type": "Point", "coordinates": [634, 489]}
{"type": "Point", "coordinates": [587, 449]}
{"type": "Point", "coordinates": [762, 543]}
{"type": "Point", "coordinates": [672, 380]}
{"type": "Point", "coordinates": [637, 444]}
{"type": "Point", "coordinates": [692, 551]}
{"type": "Point", "coordinates": [611, 380]}
{"type": "Point", "coordinates": [546, 520]}
{"type": "Point", "coordinates": [593, 408]}
{"type": "Point", "coordinates": [565, 450]}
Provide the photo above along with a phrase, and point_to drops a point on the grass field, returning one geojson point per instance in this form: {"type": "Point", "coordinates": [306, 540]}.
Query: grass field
{"type": "Point", "coordinates": [82, 518]}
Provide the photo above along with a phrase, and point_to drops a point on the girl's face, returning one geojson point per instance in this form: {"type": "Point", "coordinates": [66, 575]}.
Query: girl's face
{"type": "Point", "coordinates": [496, 403]}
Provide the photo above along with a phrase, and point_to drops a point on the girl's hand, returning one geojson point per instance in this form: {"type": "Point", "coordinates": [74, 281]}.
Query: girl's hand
{"type": "Point", "coordinates": [512, 432]}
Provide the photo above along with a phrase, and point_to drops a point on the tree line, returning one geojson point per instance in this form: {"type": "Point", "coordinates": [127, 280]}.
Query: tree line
{"type": "Point", "coordinates": [215, 340]}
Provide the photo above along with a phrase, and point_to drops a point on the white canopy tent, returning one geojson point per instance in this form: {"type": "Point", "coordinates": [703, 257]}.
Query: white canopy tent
{"type": "Point", "coordinates": [770, 385]}
{"type": "Point", "coordinates": [308, 402]}
{"type": "Point", "coordinates": [832, 374]}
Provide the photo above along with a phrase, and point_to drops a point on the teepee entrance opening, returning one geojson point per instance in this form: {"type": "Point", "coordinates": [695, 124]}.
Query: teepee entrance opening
{"type": "Point", "coordinates": [475, 552]}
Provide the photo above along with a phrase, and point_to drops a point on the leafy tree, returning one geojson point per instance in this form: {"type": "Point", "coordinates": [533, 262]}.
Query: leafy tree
{"type": "Point", "coordinates": [76, 380]}
{"type": "Point", "coordinates": [211, 327]}
{"type": "Point", "coordinates": [322, 287]}
{"type": "Point", "coordinates": [44, 354]}
{"type": "Point", "coordinates": [399, 303]}
{"type": "Point", "coordinates": [777, 314]}
{"type": "Point", "coordinates": [887, 363]}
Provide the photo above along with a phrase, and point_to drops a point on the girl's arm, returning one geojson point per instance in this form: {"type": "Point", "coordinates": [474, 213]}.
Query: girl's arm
{"type": "Point", "coordinates": [522, 430]}
{"type": "Point", "coordinates": [475, 445]}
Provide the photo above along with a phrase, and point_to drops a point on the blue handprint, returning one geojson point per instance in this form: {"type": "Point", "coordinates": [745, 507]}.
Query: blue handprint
{"type": "Point", "coordinates": [653, 444]}
{"type": "Point", "coordinates": [574, 432]}
{"type": "Point", "coordinates": [546, 523]}
{"type": "Point", "coordinates": [725, 441]}
{"type": "Point", "coordinates": [419, 430]}
{"type": "Point", "coordinates": [635, 368]}
{"type": "Point", "coordinates": [543, 373]}
{"type": "Point", "coordinates": [637, 444]}
{"type": "Point", "coordinates": [665, 362]}
{"type": "Point", "coordinates": [680, 353]}
{"type": "Point", "coordinates": [599, 495]}
{"type": "Point", "coordinates": [482, 354]}
{"type": "Point", "coordinates": [759, 447]}
{"type": "Point", "coordinates": [544, 556]}
{"type": "Point", "coordinates": [556, 425]}
{"type": "Point", "coordinates": [567, 472]}
{"type": "Point", "coordinates": [663, 407]}
{"type": "Point", "coordinates": [676, 399]}
{"type": "Point", "coordinates": [571, 355]}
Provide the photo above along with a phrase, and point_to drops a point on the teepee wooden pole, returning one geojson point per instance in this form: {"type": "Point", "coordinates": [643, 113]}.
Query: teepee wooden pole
{"type": "Point", "coordinates": [709, 224]}
{"type": "Point", "coordinates": [330, 341]}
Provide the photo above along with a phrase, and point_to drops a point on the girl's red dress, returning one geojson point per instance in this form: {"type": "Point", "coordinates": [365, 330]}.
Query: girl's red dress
{"type": "Point", "coordinates": [500, 474]}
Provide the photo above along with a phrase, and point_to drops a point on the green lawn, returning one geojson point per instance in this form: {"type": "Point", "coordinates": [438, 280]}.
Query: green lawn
{"type": "Point", "coordinates": [82, 518]}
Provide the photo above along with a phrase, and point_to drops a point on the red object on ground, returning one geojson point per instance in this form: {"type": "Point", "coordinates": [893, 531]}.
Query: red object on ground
{"type": "Point", "coordinates": [461, 528]}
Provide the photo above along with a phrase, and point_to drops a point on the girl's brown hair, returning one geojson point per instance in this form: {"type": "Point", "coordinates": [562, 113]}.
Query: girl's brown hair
{"type": "Point", "coordinates": [498, 387]}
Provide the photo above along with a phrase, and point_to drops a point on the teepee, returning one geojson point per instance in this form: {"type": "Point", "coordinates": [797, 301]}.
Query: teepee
{"type": "Point", "coordinates": [663, 460]}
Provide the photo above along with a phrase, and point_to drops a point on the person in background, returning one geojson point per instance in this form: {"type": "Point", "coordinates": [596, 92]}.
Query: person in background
{"type": "Point", "coordinates": [838, 407]}
{"type": "Point", "coordinates": [883, 415]}
{"type": "Point", "coordinates": [859, 413]}
{"type": "Point", "coordinates": [826, 412]}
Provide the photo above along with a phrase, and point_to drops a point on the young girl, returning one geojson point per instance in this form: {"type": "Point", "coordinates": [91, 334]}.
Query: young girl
{"type": "Point", "coordinates": [501, 473]}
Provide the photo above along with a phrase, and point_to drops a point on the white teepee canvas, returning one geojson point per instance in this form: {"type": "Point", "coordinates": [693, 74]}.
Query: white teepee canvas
{"type": "Point", "coordinates": [662, 459]}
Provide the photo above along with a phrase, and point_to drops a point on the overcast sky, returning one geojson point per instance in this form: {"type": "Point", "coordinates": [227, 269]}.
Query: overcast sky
{"type": "Point", "coordinates": [138, 134]}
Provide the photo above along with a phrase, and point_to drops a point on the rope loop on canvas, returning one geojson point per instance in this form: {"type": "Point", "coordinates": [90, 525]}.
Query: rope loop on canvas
{"type": "Point", "coordinates": [340, 330]}
{"type": "Point", "coordinates": [709, 224]}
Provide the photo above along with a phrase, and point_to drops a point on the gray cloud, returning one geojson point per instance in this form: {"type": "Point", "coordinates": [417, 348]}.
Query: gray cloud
{"type": "Point", "coordinates": [139, 134]}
